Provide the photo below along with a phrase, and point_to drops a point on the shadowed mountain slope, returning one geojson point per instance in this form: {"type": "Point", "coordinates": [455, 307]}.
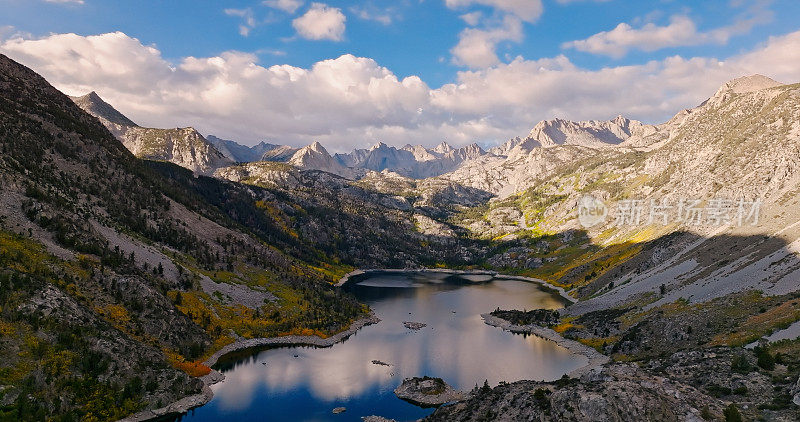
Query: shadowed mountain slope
{"type": "Point", "coordinates": [120, 275]}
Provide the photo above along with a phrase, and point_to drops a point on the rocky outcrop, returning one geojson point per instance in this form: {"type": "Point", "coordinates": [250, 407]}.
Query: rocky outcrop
{"type": "Point", "coordinates": [432, 227]}
{"type": "Point", "coordinates": [693, 385]}
{"type": "Point", "coordinates": [266, 174]}
{"type": "Point", "coordinates": [374, 418]}
{"type": "Point", "coordinates": [796, 392]}
{"type": "Point", "coordinates": [182, 146]}
{"type": "Point", "coordinates": [427, 391]}
{"type": "Point", "coordinates": [592, 133]}
{"type": "Point", "coordinates": [616, 393]}
{"type": "Point", "coordinates": [180, 406]}
{"type": "Point", "coordinates": [185, 147]}
{"type": "Point", "coordinates": [743, 85]}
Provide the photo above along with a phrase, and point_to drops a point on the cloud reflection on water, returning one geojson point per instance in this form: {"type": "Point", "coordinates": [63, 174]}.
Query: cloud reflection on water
{"type": "Point", "coordinates": [458, 347]}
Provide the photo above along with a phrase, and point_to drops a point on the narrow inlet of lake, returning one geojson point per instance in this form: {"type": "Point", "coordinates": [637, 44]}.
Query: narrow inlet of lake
{"type": "Point", "coordinates": [360, 374]}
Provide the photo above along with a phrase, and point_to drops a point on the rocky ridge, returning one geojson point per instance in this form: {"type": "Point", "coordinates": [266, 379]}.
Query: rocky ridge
{"type": "Point", "coordinates": [316, 157]}
{"type": "Point", "coordinates": [241, 153]}
{"type": "Point", "coordinates": [185, 147]}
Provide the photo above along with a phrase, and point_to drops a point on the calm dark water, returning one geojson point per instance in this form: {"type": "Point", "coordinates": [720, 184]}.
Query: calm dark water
{"type": "Point", "coordinates": [305, 384]}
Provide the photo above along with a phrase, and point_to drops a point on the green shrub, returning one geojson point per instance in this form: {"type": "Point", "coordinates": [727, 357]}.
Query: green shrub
{"type": "Point", "coordinates": [739, 364]}
{"type": "Point", "coordinates": [732, 414]}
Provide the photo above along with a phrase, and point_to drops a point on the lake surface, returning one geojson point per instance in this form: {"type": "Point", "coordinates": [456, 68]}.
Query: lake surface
{"type": "Point", "coordinates": [306, 384]}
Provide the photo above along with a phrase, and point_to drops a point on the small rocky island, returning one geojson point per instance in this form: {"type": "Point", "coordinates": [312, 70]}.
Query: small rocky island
{"type": "Point", "coordinates": [427, 391]}
{"type": "Point", "coordinates": [414, 325]}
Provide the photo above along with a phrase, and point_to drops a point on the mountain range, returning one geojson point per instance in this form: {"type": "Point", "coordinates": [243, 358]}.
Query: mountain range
{"type": "Point", "coordinates": [130, 255]}
{"type": "Point", "coordinates": [241, 153]}
{"type": "Point", "coordinates": [191, 150]}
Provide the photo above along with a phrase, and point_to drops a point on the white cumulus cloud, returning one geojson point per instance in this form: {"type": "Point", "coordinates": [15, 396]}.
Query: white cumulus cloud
{"type": "Point", "coordinates": [288, 6]}
{"type": "Point", "coordinates": [248, 19]}
{"type": "Point", "coordinates": [352, 101]}
{"type": "Point", "coordinates": [681, 31]}
{"type": "Point", "coordinates": [472, 18]}
{"type": "Point", "coordinates": [382, 16]}
{"type": "Point", "coordinates": [477, 48]}
{"type": "Point", "coordinates": [581, 1]}
{"type": "Point", "coordinates": [527, 10]}
{"type": "Point", "coordinates": [321, 22]}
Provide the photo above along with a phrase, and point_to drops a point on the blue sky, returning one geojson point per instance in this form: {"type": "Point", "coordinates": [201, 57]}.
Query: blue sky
{"type": "Point", "coordinates": [407, 38]}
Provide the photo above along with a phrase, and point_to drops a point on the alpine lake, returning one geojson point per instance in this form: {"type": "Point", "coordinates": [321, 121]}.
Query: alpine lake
{"type": "Point", "coordinates": [301, 383]}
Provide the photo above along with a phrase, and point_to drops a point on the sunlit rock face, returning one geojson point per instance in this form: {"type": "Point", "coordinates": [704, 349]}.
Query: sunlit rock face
{"type": "Point", "coordinates": [185, 147]}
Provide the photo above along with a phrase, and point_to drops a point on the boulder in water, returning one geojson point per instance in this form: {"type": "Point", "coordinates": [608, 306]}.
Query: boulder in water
{"type": "Point", "coordinates": [414, 325]}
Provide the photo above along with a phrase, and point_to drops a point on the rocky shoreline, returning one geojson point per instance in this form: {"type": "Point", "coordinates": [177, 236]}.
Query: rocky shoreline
{"type": "Point", "coordinates": [187, 403]}
{"type": "Point", "coordinates": [561, 292]}
{"type": "Point", "coordinates": [352, 274]}
{"type": "Point", "coordinates": [596, 359]}
{"type": "Point", "coordinates": [292, 340]}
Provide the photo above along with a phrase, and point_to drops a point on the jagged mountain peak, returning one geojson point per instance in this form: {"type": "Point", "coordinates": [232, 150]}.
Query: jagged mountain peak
{"type": "Point", "coordinates": [318, 148]}
{"type": "Point", "coordinates": [743, 85]}
{"type": "Point", "coordinates": [749, 83]}
{"type": "Point", "coordinates": [241, 153]}
{"type": "Point", "coordinates": [621, 120]}
{"type": "Point", "coordinates": [506, 147]}
{"type": "Point", "coordinates": [96, 106]}
{"type": "Point", "coordinates": [281, 153]}
{"type": "Point", "coordinates": [184, 146]}
{"type": "Point", "coordinates": [591, 133]}
{"type": "Point", "coordinates": [316, 157]}
{"type": "Point", "coordinates": [379, 145]}
{"type": "Point", "coordinates": [472, 149]}
{"type": "Point", "coordinates": [92, 96]}
{"type": "Point", "coordinates": [264, 144]}
{"type": "Point", "coordinates": [314, 150]}
{"type": "Point", "coordinates": [443, 148]}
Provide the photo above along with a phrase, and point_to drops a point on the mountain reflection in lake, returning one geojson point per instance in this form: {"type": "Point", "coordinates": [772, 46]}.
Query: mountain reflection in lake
{"type": "Point", "coordinates": [305, 384]}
